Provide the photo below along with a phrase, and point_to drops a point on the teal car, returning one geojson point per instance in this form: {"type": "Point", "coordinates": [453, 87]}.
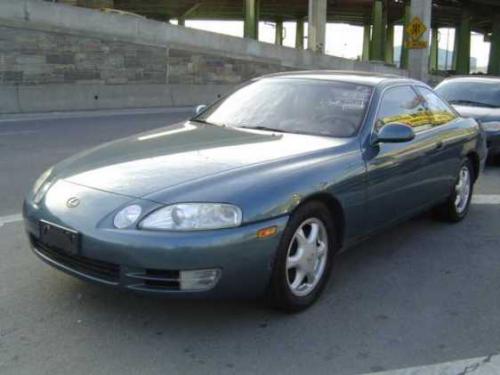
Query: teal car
{"type": "Point", "coordinates": [257, 192]}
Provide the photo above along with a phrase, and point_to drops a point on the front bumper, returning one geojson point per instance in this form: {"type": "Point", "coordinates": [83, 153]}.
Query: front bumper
{"type": "Point", "coordinates": [152, 262]}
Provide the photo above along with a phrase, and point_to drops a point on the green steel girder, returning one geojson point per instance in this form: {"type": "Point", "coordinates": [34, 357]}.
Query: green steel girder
{"type": "Point", "coordinates": [357, 12]}
{"type": "Point", "coordinates": [463, 47]}
{"type": "Point", "coordinates": [494, 63]}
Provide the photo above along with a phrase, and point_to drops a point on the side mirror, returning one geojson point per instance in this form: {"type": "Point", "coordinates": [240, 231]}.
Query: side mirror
{"type": "Point", "coordinates": [199, 108]}
{"type": "Point", "coordinates": [394, 133]}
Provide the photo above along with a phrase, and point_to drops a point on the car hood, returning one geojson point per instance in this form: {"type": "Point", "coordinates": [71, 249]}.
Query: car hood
{"type": "Point", "coordinates": [479, 113]}
{"type": "Point", "coordinates": [140, 165]}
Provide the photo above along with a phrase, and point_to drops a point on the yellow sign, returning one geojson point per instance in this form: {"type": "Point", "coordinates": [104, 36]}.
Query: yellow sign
{"type": "Point", "coordinates": [416, 44]}
{"type": "Point", "coordinates": [416, 28]}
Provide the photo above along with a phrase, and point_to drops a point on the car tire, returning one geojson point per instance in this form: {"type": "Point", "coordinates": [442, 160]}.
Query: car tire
{"type": "Point", "coordinates": [457, 205]}
{"type": "Point", "coordinates": [302, 255]}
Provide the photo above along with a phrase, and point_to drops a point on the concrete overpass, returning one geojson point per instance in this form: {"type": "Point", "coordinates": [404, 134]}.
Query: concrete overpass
{"type": "Point", "coordinates": [378, 17]}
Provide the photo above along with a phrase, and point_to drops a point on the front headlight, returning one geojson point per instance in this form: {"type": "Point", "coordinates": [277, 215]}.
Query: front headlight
{"type": "Point", "coordinates": [491, 126]}
{"type": "Point", "coordinates": [127, 216]}
{"type": "Point", "coordinates": [193, 216]}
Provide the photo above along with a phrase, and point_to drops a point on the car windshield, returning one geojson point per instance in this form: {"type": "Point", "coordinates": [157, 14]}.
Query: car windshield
{"type": "Point", "coordinates": [292, 105]}
{"type": "Point", "coordinates": [480, 94]}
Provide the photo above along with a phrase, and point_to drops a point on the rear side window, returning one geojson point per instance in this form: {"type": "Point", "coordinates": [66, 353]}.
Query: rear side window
{"type": "Point", "coordinates": [402, 105]}
{"type": "Point", "coordinates": [474, 93]}
{"type": "Point", "coordinates": [439, 112]}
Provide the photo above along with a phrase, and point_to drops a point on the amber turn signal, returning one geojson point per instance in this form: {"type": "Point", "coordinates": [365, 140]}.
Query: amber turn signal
{"type": "Point", "coordinates": [267, 232]}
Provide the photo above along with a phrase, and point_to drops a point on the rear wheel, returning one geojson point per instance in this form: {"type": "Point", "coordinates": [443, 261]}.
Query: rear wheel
{"type": "Point", "coordinates": [304, 258]}
{"type": "Point", "coordinates": [457, 205]}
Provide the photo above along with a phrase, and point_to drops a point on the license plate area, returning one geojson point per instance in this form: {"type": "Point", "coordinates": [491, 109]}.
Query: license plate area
{"type": "Point", "coordinates": [59, 238]}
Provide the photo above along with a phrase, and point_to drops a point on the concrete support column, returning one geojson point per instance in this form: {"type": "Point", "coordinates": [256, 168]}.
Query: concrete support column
{"type": "Point", "coordinates": [316, 25]}
{"type": "Point", "coordinates": [377, 47]}
{"type": "Point", "coordinates": [455, 50]}
{"type": "Point", "coordinates": [433, 59]}
{"type": "Point", "coordinates": [463, 51]}
{"type": "Point", "coordinates": [181, 21]}
{"type": "Point", "coordinates": [418, 59]}
{"type": "Point", "coordinates": [389, 44]}
{"type": "Point", "coordinates": [494, 63]}
{"type": "Point", "coordinates": [365, 56]}
{"type": "Point", "coordinates": [404, 51]}
{"type": "Point", "coordinates": [278, 34]}
{"type": "Point", "coordinates": [299, 34]}
{"type": "Point", "coordinates": [251, 26]}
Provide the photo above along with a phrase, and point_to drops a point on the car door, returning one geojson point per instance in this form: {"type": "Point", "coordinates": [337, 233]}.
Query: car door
{"type": "Point", "coordinates": [447, 155]}
{"type": "Point", "coordinates": [400, 176]}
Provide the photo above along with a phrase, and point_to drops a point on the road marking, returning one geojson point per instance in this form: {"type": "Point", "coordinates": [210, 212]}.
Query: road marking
{"type": "Point", "coordinates": [10, 219]}
{"type": "Point", "coordinates": [486, 199]}
{"type": "Point", "coordinates": [489, 364]}
{"type": "Point", "coordinates": [18, 132]}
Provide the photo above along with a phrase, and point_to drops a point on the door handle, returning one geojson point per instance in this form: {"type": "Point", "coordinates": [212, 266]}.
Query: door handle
{"type": "Point", "coordinates": [439, 145]}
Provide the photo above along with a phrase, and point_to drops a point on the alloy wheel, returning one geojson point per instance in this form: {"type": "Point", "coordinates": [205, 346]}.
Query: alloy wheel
{"type": "Point", "coordinates": [306, 257]}
{"type": "Point", "coordinates": [462, 189]}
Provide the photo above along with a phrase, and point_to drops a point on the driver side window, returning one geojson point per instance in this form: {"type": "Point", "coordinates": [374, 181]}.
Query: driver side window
{"type": "Point", "coordinates": [402, 105]}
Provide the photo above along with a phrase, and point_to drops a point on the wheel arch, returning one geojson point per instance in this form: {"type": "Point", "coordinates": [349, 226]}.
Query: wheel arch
{"type": "Point", "coordinates": [476, 163]}
{"type": "Point", "coordinates": [334, 207]}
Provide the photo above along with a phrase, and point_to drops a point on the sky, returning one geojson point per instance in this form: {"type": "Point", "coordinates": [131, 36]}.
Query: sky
{"type": "Point", "coordinates": [341, 39]}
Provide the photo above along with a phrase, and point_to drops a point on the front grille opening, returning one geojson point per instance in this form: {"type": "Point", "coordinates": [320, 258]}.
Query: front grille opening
{"type": "Point", "coordinates": [159, 284]}
{"type": "Point", "coordinates": [162, 279]}
{"type": "Point", "coordinates": [92, 267]}
{"type": "Point", "coordinates": [166, 274]}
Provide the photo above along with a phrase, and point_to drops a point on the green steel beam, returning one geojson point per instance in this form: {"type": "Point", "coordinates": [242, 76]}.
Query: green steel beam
{"type": "Point", "coordinates": [299, 34]}
{"type": "Point", "coordinates": [494, 63]}
{"type": "Point", "coordinates": [389, 44]}
{"type": "Point", "coordinates": [365, 56]}
{"type": "Point", "coordinates": [433, 58]}
{"type": "Point", "coordinates": [377, 52]}
{"type": "Point", "coordinates": [385, 23]}
{"type": "Point", "coordinates": [278, 35]}
{"type": "Point", "coordinates": [463, 51]}
{"type": "Point", "coordinates": [251, 27]}
{"type": "Point", "coordinates": [181, 20]}
{"type": "Point", "coordinates": [406, 22]}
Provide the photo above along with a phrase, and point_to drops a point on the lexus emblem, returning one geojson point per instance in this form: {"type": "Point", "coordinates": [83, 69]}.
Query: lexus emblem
{"type": "Point", "coordinates": [72, 202]}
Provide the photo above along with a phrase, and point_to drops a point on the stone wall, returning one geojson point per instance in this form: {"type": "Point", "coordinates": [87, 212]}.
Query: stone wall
{"type": "Point", "coordinates": [33, 57]}
{"type": "Point", "coordinates": [58, 57]}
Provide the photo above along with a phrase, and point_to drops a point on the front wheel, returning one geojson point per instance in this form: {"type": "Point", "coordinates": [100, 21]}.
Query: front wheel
{"type": "Point", "coordinates": [457, 205]}
{"type": "Point", "coordinates": [303, 259]}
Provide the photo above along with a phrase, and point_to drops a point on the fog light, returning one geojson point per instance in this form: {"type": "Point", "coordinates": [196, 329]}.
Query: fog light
{"type": "Point", "coordinates": [197, 280]}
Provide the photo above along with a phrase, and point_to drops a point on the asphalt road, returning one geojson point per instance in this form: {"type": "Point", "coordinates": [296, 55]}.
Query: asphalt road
{"type": "Point", "coordinates": [421, 293]}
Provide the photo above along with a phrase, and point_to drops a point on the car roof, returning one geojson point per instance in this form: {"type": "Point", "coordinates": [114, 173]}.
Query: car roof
{"type": "Point", "coordinates": [358, 77]}
{"type": "Point", "coordinates": [478, 79]}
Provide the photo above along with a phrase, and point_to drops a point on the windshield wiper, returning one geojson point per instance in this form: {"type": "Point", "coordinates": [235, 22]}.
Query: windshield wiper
{"type": "Point", "coordinates": [472, 102]}
{"type": "Point", "coordinates": [205, 122]}
{"type": "Point", "coordinates": [263, 128]}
